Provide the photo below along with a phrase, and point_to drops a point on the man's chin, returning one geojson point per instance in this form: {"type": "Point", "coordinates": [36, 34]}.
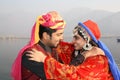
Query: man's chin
{"type": "Point", "coordinates": [54, 46]}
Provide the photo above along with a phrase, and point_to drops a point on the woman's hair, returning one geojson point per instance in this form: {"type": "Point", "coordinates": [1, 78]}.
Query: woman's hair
{"type": "Point", "coordinates": [43, 29]}
{"type": "Point", "coordinates": [93, 43]}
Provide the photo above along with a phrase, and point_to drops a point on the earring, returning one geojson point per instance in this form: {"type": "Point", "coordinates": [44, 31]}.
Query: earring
{"type": "Point", "coordinates": [87, 46]}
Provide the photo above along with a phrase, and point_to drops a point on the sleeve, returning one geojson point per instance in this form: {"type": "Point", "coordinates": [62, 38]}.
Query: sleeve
{"type": "Point", "coordinates": [33, 66]}
{"type": "Point", "coordinates": [65, 50]}
{"type": "Point", "coordinates": [92, 68]}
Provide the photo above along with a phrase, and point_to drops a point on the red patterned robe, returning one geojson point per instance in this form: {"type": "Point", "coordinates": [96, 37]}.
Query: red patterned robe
{"type": "Point", "coordinates": [93, 68]}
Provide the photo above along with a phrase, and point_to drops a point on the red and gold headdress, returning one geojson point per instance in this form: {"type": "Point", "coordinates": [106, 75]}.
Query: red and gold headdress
{"type": "Point", "coordinates": [51, 20]}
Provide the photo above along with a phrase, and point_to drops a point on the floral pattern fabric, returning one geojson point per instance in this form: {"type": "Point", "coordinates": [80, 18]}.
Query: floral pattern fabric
{"type": "Point", "coordinates": [93, 68]}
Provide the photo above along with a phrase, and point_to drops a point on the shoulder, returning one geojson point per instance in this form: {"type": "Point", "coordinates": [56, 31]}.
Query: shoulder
{"type": "Point", "coordinates": [94, 52]}
{"type": "Point", "coordinates": [99, 59]}
{"type": "Point", "coordinates": [30, 49]}
{"type": "Point", "coordinates": [98, 51]}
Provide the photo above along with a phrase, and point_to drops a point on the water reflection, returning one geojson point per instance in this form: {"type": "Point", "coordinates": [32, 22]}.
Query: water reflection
{"type": "Point", "coordinates": [10, 48]}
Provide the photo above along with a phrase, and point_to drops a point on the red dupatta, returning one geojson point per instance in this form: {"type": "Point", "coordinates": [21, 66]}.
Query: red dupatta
{"type": "Point", "coordinates": [16, 67]}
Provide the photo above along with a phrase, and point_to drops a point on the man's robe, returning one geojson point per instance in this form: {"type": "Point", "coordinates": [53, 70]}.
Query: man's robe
{"type": "Point", "coordinates": [32, 70]}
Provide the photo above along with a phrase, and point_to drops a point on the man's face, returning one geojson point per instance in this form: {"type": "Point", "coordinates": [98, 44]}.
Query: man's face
{"type": "Point", "coordinates": [78, 42]}
{"type": "Point", "coordinates": [56, 38]}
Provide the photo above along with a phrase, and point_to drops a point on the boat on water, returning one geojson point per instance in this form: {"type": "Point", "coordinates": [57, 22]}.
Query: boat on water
{"type": "Point", "coordinates": [118, 39]}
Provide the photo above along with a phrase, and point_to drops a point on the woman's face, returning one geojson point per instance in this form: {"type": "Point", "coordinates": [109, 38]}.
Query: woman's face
{"type": "Point", "coordinates": [78, 42]}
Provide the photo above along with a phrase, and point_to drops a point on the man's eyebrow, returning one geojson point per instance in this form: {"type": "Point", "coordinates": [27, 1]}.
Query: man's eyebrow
{"type": "Point", "coordinates": [59, 33]}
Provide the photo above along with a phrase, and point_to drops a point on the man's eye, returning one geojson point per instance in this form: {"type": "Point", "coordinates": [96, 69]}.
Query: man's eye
{"type": "Point", "coordinates": [58, 34]}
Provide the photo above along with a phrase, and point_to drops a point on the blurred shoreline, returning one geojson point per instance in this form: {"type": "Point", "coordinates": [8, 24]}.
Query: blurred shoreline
{"type": "Point", "coordinates": [11, 38]}
{"type": "Point", "coordinates": [14, 37]}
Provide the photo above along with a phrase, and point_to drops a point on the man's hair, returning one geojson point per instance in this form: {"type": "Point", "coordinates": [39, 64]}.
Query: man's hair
{"type": "Point", "coordinates": [43, 29]}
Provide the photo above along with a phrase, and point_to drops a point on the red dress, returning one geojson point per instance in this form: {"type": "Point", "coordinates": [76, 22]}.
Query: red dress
{"type": "Point", "coordinates": [64, 51]}
{"type": "Point", "coordinates": [93, 68]}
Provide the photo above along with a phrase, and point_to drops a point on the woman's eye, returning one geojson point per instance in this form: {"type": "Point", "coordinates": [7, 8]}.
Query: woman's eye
{"type": "Point", "coordinates": [75, 37]}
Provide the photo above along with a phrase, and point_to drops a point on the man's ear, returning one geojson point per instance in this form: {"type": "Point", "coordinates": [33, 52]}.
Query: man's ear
{"type": "Point", "coordinates": [45, 35]}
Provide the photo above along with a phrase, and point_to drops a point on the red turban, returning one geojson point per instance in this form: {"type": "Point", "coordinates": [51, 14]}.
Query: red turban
{"type": "Point", "coordinates": [94, 28]}
{"type": "Point", "coordinates": [51, 20]}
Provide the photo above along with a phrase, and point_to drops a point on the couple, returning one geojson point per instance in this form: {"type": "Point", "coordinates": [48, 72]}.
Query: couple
{"type": "Point", "coordinates": [48, 57]}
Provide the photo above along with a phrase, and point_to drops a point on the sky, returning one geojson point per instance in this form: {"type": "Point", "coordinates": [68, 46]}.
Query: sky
{"type": "Point", "coordinates": [43, 5]}
{"type": "Point", "coordinates": [22, 13]}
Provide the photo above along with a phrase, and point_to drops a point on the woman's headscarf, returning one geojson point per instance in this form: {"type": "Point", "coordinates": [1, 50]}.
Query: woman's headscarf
{"type": "Point", "coordinates": [52, 20]}
{"type": "Point", "coordinates": [93, 30]}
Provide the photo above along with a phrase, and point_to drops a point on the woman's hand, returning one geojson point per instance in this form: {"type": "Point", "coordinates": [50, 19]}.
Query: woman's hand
{"type": "Point", "coordinates": [94, 52]}
{"type": "Point", "coordinates": [36, 55]}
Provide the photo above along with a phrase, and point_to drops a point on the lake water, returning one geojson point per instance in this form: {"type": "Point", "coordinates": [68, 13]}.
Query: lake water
{"type": "Point", "coordinates": [10, 48]}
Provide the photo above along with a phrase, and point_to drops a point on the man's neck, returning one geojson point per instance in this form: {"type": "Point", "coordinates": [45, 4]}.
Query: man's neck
{"type": "Point", "coordinates": [44, 46]}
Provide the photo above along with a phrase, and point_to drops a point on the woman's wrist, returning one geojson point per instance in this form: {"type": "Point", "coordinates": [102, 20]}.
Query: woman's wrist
{"type": "Point", "coordinates": [44, 59]}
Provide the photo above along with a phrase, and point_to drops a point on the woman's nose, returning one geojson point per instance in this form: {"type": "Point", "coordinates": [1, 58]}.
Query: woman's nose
{"type": "Point", "coordinates": [73, 41]}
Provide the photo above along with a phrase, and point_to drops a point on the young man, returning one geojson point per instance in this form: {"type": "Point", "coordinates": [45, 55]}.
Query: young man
{"type": "Point", "coordinates": [46, 35]}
